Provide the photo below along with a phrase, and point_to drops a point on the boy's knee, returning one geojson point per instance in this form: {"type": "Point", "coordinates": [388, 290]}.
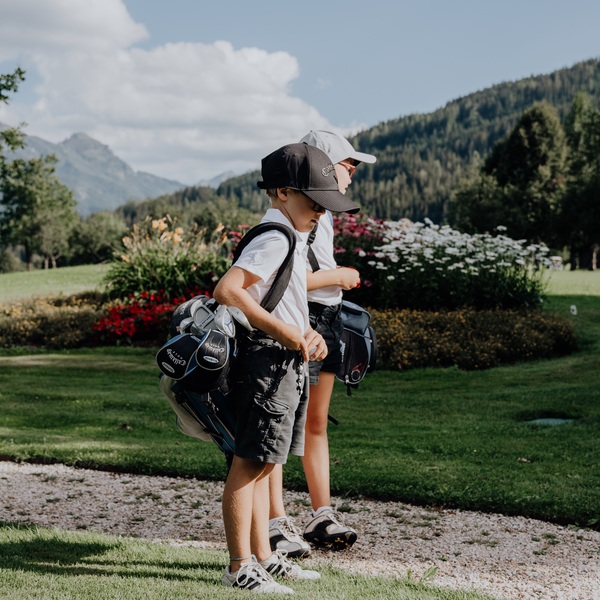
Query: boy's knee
{"type": "Point", "coordinates": [316, 426]}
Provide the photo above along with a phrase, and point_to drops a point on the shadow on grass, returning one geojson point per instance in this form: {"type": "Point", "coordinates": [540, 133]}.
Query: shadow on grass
{"type": "Point", "coordinates": [47, 554]}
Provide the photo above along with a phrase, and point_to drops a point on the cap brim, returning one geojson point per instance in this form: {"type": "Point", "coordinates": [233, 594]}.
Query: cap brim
{"type": "Point", "coordinates": [332, 200]}
{"type": "Point", "coordinates": [363, 157]}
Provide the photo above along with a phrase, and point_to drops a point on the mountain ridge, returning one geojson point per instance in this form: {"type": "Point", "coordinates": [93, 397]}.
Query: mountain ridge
{"type": "Point", "coordinates": [99, 179]}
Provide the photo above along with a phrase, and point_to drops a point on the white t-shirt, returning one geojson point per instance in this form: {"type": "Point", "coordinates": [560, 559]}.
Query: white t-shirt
{"type": "Point", "coordinates": [323, 249]}
{"type": "Point", "coordinates": [264, 255]}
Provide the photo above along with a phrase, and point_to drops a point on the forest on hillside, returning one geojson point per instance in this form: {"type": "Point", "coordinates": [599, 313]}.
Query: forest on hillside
{"type": "Point", "coordinates": [422, 157]}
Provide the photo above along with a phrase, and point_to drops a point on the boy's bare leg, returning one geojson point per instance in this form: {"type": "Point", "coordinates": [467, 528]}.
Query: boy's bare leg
{"type": "Point", "coordinates": [259, 538]}
{"type": "Point", "coordinates": [238, 508]}
{"type": "Point", "coordinates": [276, 508]}
{"type": "Point", "coordinates": [316, 444]}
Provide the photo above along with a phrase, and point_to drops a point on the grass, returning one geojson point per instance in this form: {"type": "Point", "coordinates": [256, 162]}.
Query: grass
{"type": "Point", "coordinates": [50, 282]}
{"type": "Point", "coordinates": [576, 283]}
{"type": "Point", "coordinates": [440, 437]}
{"type": "Point", "coordinates": [56, 565]}
{"type": "Point", "coordinates": [437, 437]}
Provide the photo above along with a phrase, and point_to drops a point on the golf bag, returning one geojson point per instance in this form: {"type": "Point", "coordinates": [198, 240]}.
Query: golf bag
{"type": "Point", "coordinates": [359, 344]}
{"type": "Point", "coordinates": [195, 362]}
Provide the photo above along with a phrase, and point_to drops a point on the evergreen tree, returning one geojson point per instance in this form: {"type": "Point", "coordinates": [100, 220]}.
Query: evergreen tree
{"type": "Point", "coordinates": [579, 227]}
{"type": "Point", "coordinates": [521, 183]}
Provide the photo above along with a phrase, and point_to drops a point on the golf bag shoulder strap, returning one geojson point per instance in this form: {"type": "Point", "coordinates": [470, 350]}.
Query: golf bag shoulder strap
{"type": "Point", "coordinates": [284, 273]}
{"type": "Point", "coordinates": [312, 258]}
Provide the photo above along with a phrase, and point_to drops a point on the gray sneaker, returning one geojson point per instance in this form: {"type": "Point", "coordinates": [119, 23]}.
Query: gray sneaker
{"type": "Point", "coordinates": [284, 535]}
{"type": "Point", "coordinates": [279, 565]}
{"type": "Point", "coordinates": [328, 529]}
{"type": "Point", "coordinates": [252, 576]}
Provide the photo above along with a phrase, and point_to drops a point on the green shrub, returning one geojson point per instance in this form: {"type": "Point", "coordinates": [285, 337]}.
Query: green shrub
{"type": "Point", "coordinates": [159, 258]}
{"type": "Point", "coordinates": [59, 322]}
{"type": "Point", "coordinates": [406, 338]}
{"type": "Point", "coordinates": [430, 267]}
{"type": "Point", "coordinates": [10, 261]}
{"type": "Point", "coordinates": [469, 339]}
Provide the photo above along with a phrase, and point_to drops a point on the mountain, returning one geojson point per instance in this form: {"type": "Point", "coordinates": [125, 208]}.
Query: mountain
{"type": "Point", "coordinates": [217, 180]}
{"type": "Point", "coordinates": [422, 157]}
{"type": "Point", "coordinates": [99, 179]}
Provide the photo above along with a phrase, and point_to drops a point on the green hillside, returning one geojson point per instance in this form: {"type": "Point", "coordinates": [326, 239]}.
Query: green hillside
{"type": "Point", "coordinates": [422, 156]}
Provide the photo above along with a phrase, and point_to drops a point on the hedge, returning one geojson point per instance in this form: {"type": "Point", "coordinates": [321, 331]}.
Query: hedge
{"type": "Point", "coordinates": [407, 339]}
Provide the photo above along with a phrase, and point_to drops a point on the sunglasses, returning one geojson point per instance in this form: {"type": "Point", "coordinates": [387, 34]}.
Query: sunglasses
{"type": "Point", "coordinates": [316, 207]}
{"type": "Point", "coordinates": [349, 167]}
{"type": "Point", "coordinates": [313, 205]}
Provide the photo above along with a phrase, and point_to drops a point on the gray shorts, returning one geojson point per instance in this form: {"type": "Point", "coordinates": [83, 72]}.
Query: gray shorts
{"type": "Point", "coordinates": [271, 394]}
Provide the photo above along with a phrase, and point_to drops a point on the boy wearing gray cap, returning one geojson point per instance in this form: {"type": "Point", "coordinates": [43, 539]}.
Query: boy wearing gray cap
{"type": "Point", "coordinates": [270, 378]}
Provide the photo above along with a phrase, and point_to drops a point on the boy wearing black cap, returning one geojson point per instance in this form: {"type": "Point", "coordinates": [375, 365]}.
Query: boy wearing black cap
{"type": "Point", "coordinates": [271, 369]}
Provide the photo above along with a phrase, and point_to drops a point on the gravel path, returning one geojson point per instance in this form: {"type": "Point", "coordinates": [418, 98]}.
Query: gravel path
{"type": "Point", "coordinates": [507, 557]}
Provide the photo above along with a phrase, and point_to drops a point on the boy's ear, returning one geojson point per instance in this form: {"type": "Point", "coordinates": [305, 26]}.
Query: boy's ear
{"type": "Point", "coordinates": [283, 194]}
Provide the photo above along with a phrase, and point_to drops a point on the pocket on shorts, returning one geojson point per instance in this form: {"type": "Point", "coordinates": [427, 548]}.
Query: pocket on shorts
{"type": "Point", "coordinates": [265, 426]}
{"type": "Point", "coordinates": [269, 406]}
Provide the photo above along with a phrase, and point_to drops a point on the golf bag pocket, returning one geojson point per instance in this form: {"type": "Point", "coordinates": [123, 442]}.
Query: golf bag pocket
{"type": "Point", "coordinates": [359, 345]}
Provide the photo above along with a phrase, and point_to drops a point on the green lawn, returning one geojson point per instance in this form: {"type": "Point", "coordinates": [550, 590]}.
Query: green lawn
{"type": "Point", "coordinates": [51, 282]}
{"type": "Point", "coordinates": [434, 436]}
{"type": "Point", "coordinates": [39, 563]}
{"type": "Point", "coordinates": [438, 437]}
{"type": "Point", "coordinates": [574, 283]}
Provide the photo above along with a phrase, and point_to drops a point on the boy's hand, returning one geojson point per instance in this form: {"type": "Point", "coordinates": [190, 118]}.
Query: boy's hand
{"type": "Point", "coordinates": [290, 337]}
{"type": "Point", "coordinates": [349, 278]}
{"type": "Point", "coordinates": [316, 345]}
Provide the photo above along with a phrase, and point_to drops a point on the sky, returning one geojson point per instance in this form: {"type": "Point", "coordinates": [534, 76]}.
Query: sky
{"type": "Point", "coordinates": [189, 89]}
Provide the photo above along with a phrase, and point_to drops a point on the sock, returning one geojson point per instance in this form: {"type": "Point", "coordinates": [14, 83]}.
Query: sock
{"type": "Point", "coordinates": [269, 560]}
{"type": "Point", "coordinates": [320, 510]}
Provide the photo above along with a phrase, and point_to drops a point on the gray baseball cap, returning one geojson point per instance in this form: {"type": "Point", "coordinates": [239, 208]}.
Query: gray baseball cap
{"type": "Point", "coordinates": [336, 147]}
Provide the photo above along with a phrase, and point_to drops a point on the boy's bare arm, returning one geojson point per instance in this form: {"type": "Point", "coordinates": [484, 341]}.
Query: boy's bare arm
{"type": "Point", "coordinates": [231, 291]}
{"type": "Point", "coordinates": [344, 277]}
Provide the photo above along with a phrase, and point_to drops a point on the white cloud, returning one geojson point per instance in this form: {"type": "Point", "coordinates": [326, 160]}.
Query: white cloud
{"type": "Point", "coordinates": [186, 111]}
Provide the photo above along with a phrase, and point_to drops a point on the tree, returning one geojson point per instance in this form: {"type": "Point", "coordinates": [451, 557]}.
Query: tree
{"type": "Point", "coordinates": [39, 212]}
{"type": "Point", "coordinates": [477, 205]}
{"type": "Point", "coordinates": [11, 138]}
{"type": "Point", "coordinates": [95, 239]}
{"type": "Point", "coordinates": [521, 183]}
{"type": "Point", "coordinates": [579, 227]}
{"type": "Point", "coordinates": [57, 216]}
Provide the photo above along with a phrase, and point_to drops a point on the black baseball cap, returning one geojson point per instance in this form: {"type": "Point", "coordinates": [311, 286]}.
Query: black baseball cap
{"type": "Point", "coordinates": [309, 170]}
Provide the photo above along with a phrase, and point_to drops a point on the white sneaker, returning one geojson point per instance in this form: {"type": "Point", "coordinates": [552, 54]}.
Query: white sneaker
{"type": "Point", "coordinates": [327, 528]}
{"type": "Point", "coordinates": [284, 535]}
{"type": "Point", "coordinates": [252, 576]}
{"type": "Point", "coordinates": [279, 565]}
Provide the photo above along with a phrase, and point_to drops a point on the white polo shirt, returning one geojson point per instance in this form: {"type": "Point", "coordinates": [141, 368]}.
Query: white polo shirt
{"type": "Point", "coordinates": [264, 255]}
{"type": "Point", "coordinates": [323, 249]}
